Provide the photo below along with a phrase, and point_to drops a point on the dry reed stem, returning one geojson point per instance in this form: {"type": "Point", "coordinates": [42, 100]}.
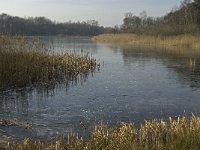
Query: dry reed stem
{"type": "Point", "coordinates": [24, 62]}
{"type": "Point", "coordinates": [182, 133]}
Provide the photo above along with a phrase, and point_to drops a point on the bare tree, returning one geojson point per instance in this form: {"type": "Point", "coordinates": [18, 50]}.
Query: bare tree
{"type": "Point", "coordinates": [143, 16]}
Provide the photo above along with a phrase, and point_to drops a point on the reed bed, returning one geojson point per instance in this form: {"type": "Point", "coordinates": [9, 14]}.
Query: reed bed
{"type": "Point", "coordinates": [182, 133]}
{"type": "Point", "coordinates": [24, 62]}
{"type": "Point", "coordinates": [181, 41]}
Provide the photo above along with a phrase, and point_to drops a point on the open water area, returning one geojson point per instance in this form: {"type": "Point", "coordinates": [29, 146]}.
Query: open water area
{"type": "Point", "coordinates": [131, 85]}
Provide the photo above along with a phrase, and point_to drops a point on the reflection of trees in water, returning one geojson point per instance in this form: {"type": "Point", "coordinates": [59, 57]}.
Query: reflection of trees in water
{"type": "Point", "coordinates": [185, 62]}
{"type": "Point", "coordinates": [190, 72]}
{"type": "Point", "coordinates": [19, 102]}
{"type": "Point", "coordinates": [192, 65]}
{"type": "Point", "coordinates": [76, 44]}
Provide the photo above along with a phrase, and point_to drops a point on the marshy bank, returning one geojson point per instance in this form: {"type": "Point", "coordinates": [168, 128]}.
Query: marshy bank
{"type": "Point", "coordinates": [180, 41]}
{"type": "Point", "coordinates": [25, 62]}
{"type": "Point", "coordinates": [173, 134]}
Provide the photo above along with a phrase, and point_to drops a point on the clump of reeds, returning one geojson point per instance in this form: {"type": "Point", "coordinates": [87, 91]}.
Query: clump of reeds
{"type": "Point", "coordinates": [24, 62]}
{"type": "Point", "coordinates": [182, 133]}
{"type": "Point", "coordinates": [181, 41]}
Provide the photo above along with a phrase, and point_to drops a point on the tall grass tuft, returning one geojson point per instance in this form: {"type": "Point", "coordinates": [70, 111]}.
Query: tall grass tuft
{"type": "Point", "coordinates": [24, 62]}
{"type": "Point", "coordinates": [182, 133]}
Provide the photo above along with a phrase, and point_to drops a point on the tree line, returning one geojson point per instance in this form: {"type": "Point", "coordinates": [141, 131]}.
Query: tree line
{"type": "Point", "coordinates": [43, 26]}
{"type": "Point", "coordinates": [184, 19]}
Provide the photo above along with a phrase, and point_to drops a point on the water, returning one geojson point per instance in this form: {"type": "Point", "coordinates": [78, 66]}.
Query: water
{"type": "Point", "coordinates": [132, 84]}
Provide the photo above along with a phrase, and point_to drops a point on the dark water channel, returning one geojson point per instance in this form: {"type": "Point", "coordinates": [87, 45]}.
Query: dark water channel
{"type": "Point", "coordinates": [132, 84]}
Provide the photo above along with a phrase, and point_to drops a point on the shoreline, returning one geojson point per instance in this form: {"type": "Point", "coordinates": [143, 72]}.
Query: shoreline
{"type": "Point", "coordinates": [178, 41]}
{"type": "Point", "coordinates": [174, 133]}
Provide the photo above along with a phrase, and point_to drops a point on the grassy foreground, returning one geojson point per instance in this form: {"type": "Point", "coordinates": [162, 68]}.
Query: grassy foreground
{"type": "Point", "coordinates": [182, 133]}
{"type": "Point", "coordinates": [188, 41]}
{"type": "Point", "coordinates": [24, 62]}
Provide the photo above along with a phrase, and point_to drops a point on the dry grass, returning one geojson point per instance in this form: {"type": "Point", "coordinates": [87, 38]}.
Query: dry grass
{"type": "Point", "coordinates": [182, 133]}
{"type": "Point", "coordinates": [24, 62]}
{"type": "Point", "coordinates": [188, 41]}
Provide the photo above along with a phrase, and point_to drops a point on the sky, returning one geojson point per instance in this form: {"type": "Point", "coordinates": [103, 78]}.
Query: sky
{"type": "Point", "coordinates": [107, 12]}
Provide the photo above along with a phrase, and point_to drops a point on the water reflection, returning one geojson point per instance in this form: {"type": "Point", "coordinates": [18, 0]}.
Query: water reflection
{"type": "Point", "coordinates": [134, 84]}
{"type": "Point", "coordinates": [184, 62]}
{"type": "Point", "coordinates": [73, 44]}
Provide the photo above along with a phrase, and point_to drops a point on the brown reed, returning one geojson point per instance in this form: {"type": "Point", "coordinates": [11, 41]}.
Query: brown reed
{"type": "Point", "coordinates": [181, 41]}
{"type": "Point", "coordinates": [24, 62]}
{"type": "Point", "coordinates": [182, 133]}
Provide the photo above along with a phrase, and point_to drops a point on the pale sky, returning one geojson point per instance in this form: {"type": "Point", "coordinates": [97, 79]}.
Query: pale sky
{"type": "Point", "coordinates": [107, 12]}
